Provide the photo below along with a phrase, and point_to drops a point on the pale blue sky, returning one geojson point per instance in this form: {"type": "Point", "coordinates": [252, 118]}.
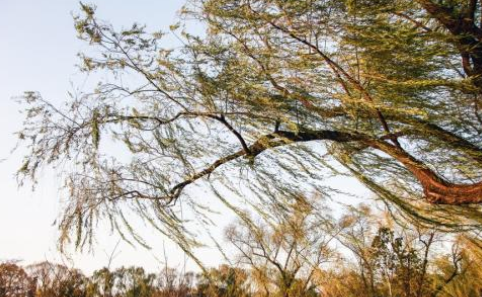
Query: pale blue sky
{"type": "Point", "coordinates": [38, 53]}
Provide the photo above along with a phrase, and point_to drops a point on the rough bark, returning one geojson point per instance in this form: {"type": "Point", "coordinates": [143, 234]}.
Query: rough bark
{"type": "Point", "coordinates": [436, 189]}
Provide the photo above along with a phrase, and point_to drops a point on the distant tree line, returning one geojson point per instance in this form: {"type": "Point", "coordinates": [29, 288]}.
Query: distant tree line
{"type": "Point", "coordinates": [361, 253]}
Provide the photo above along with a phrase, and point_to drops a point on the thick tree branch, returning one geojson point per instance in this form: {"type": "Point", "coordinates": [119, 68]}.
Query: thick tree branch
{"type": "Point", "coordinates": [263, 143]}
{"type": "Point", "coordinates": [436, 189]}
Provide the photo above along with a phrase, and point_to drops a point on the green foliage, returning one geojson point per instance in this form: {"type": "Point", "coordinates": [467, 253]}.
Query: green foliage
{"type": "Point", "coordinates": [274, 97]}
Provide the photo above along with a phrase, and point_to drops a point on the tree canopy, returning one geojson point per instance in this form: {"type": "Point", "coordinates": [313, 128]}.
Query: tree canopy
{"type": "Point", "coordinates": [273, 96]}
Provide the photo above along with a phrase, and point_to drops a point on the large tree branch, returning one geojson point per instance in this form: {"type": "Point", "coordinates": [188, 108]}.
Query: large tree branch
{"type": "Point", "coordinates": [269, 141]}
{"type": "Point", "coordinates": [436, 189]}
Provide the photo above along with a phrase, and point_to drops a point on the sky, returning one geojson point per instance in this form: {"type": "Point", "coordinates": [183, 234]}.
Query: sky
{"type": "Point", "coordinates": [39, 53]}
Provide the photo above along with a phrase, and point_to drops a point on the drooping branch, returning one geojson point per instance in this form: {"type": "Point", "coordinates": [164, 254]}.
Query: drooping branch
{"type": "Point", "coordinates": [417, 23]}
{"type": "Point", "coordinates": [449, 138]}
{"type": "Point", "coordinates": [160, 122]}
{"type": "Point", "coordinates": [177, 189]}
{"type": "Point", "coordinates": [340, 73]}
{"type": "Point", "coordinates": [264, 68]}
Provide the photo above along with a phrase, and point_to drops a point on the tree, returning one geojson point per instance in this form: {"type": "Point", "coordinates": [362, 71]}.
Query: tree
{"type": "Point", "coordinates": [14, 281]}
{"type": "Point", "coordinates": [224, 281]}
{"type": "Point", "coordinates": [134, 282]}
{"type": "Point", "coordinates": [54, 280]}
{"type": "Point", "coordinates": [401, 263]}
{"type": "Point", "coordinates": [459, 272]}
{"type": "Point", "coordinates": [284, 254]}
{"type": "Point", "coordinates": [401, 260]}
{"type": "Point", "coordinates": [173, 283]}
{"type": "Point", "coordinates": [389, 90]}
{"type": "Point", "coordinates": [102, 283]}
